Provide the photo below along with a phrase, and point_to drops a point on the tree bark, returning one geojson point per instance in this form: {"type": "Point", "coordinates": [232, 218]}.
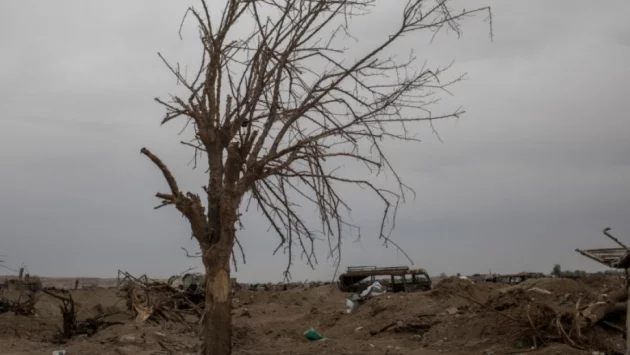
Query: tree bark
{"type": "Point", "coordinates": [217, 330]}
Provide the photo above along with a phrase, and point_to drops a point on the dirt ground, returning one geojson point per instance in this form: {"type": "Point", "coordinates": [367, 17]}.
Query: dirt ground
{"type": "Point", "coordinates": [457, 317]}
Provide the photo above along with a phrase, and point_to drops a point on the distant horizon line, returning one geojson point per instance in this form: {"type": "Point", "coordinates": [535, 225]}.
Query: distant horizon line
{"type": "Point", "coordinates": [304, 281]}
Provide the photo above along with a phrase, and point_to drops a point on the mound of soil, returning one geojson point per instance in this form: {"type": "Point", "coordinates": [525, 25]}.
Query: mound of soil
{"type": "Point", "coordinates": [456, 317]}
{"type": "Point", "coordinates": [454, 287]}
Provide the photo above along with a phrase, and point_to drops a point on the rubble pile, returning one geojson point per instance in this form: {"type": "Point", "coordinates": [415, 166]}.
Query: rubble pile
{"type": "Point", "coordinates": [158, 301]}
{"type": "Point", "coordinates": [281, 286]}
{"type": "Point", "coordinates": [534, 314]}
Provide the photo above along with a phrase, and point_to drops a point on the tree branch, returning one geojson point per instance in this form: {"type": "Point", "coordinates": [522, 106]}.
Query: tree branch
{"type": "Point", "coordinates": [188, 204]}
{"type": "Point", "coordinates": [172, 184]}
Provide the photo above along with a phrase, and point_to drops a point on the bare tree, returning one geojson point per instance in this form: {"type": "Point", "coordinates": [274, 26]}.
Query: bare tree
{"type": "Point", "coordinates": [270, 127]}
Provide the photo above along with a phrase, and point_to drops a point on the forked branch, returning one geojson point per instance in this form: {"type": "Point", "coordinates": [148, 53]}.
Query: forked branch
{"type": "Point", "coordinates": [188, 204]}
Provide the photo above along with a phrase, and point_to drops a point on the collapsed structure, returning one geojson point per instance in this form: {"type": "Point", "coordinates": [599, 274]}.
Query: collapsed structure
{"type": "Point", "coordinates": [616, 258]}
{"type": "Point", "coordinates": [507, 278]}
{"type": "Point", "coordinates": [23, 282]}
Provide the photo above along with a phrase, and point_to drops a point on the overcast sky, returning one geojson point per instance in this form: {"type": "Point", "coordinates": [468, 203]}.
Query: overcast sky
{"type": "Point", "coordinates": [537, 167]}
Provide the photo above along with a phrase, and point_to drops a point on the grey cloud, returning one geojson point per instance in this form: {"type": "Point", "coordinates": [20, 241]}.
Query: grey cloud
{"type": "Point", "coordinates": [537, 166]}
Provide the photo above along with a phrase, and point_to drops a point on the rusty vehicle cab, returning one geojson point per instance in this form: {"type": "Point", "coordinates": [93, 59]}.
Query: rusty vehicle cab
{"type": "Point", "coordinates": [394, 278]}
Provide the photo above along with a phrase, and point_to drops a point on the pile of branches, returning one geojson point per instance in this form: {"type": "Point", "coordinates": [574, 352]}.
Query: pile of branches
{"type": "Point", "coordinates": [156, 301]}
{"type": "Point", "coordinates": [538, 321]}
{"type": "Point", "coordinates": [71, 327]}
{"type": "Point", "coordinates": [20, 307]}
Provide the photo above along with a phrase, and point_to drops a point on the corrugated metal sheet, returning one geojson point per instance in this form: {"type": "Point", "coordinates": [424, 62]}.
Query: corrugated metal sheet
{"type": "Point", "coordinates": [611, 257]}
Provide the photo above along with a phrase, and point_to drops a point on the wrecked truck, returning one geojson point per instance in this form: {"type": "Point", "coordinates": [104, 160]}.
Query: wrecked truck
{"type": "Point", "coordinates": [394, 279]}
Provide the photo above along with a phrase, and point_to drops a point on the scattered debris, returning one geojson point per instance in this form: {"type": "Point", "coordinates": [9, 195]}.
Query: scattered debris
{"type": "Point", "coordinates": [451, 310]}
{"type": "Point", "coordinates": [28, 288]}
{"type": "Point", "coordinates": [70, 326]}
{"type": "Point", "coordinates": [507, 278]}
{"type": "Point", "coordinates": [130, 339]}
{"type": "Point", "coordinates": [456, 316]}
{"type": "Point", "coordinates": [20, 307]}
{"type": "Point", "coordinates": [375, 289]}
{"type": "Point", "coordinates": [158, 301]}
{"type": "Point", "coordinates": [27, 282]}
{"type": "Point", "coordinates": [616, 302]}
{"type": "Point", "coordinates": [539, 290]}
{"type": "Point", "coordinates": [412, 326]}
{"type": "Point", "coordinates": [312, 335]}
{"type": "Point", "coordinates": [245, 313]}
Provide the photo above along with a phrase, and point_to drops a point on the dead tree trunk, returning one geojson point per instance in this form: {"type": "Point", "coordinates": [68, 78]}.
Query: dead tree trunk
{"type": "Point", "coordinates": [217, 330]}
{"type": "Point", "coordinates": [611, 303]}
{"type": "Point", "coordinates": [69, 315]}
{"type": "Point", "coordinates": [222, 217]}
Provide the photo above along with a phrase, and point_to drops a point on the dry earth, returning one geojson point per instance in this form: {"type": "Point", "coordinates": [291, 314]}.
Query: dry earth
{"type": "Point", "coordinates": [457, 317]}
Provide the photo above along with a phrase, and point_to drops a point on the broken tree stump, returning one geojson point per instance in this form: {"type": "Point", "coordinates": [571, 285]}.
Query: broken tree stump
{"type": "Point", "coordinates": [68, 313]}
{"type": "Point", "coordinates": [613, 302]}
